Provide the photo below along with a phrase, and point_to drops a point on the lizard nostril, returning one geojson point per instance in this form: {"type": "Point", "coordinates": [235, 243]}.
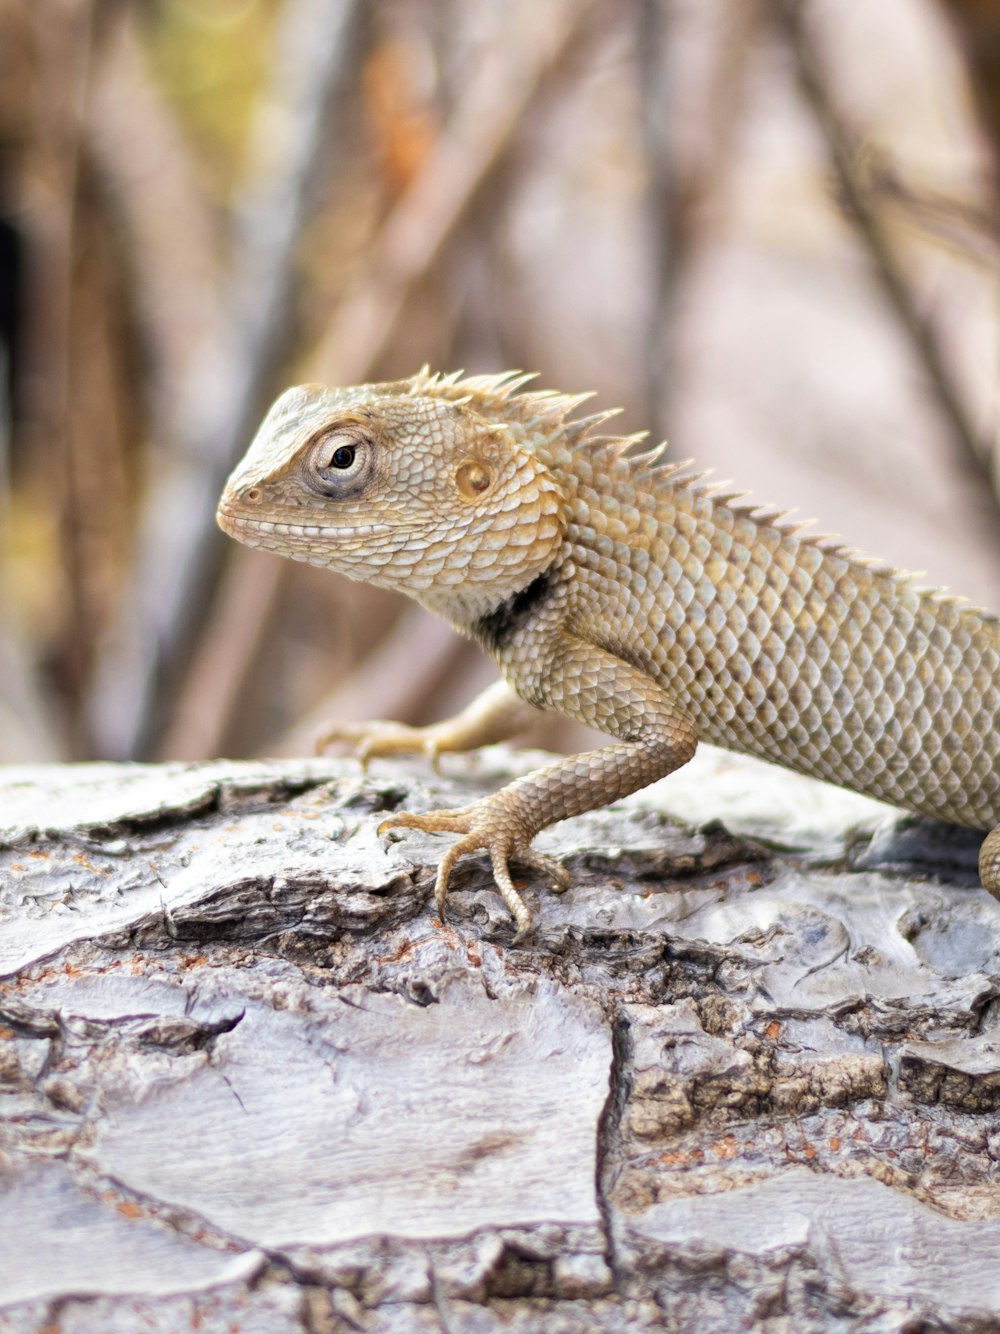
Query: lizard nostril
{"type": "Point", "coordinates": [253, 495]}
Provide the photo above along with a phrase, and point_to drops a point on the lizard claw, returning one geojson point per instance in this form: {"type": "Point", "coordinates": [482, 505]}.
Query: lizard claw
{"type": "Point", "coordinates": [482, 825]}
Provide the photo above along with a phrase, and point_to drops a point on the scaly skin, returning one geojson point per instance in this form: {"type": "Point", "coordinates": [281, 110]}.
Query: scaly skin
{"type": "Point", "coordinates": [627, 594]}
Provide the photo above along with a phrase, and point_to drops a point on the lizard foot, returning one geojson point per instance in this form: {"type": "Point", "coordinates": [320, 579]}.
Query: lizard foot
{"type": "Point", "coordinates": [372, 739]}
{"type": "Point", "coordinates": [484, 824]}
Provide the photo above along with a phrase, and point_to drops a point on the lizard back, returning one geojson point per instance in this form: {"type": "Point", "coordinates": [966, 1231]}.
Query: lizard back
{"type": "Point", "coordinates": [793, 649]}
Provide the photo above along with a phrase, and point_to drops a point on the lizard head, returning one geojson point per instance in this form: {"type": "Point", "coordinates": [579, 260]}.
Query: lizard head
{"type": "Point", "coordinates": [411, 490]}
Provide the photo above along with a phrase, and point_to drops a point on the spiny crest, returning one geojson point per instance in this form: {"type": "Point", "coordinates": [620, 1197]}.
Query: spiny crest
{"type": "Point", "coordinates": [498, 396]}
{"type": "Point", "coordinates": [786, 523]}
{"type": "Point", "coordinates": [549, 411]}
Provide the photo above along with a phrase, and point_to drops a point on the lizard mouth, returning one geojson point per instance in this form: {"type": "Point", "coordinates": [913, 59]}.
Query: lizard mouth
{"type": "Point", "coordinates": [262, 532]}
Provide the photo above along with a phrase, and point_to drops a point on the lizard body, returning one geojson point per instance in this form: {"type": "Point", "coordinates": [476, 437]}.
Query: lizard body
{"type": "Point", "coordinates": [626, 593]}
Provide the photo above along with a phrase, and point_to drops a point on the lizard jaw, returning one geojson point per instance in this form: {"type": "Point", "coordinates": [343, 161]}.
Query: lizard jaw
{"type": "Point", "coordinates": [255, 532]}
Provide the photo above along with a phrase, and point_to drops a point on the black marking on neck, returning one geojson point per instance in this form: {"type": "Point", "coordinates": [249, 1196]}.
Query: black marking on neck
{"type": "Point", "coordinates": [498, 627]}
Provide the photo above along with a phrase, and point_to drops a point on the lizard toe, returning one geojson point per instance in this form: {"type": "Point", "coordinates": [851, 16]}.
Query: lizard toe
{"type": "Point", "coordinates": [545, 865]}
{"type": "Point", "coordinates": [500, 855]}
{"type": "Point", "coordinates": [468, 844]}
{"type": "Point", "coordinates": [431, 822]}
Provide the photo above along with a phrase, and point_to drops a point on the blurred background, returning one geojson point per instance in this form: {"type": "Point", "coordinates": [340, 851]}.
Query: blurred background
{"type": "Point", "coordinates": [767, 228]}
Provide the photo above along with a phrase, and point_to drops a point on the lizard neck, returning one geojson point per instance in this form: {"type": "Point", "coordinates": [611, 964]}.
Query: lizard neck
{"type": "Point", "coordinates": [498, 627]}
{"type": "Point", "coordinates": [493, 613]}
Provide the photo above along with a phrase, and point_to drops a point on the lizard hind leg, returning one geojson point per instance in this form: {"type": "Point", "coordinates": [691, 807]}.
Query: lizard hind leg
{"type": "Point", "coordinates": [989, 863]}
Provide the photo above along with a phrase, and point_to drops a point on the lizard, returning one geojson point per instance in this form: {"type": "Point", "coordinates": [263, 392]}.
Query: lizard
{"type": "Point", "coordinates": [628, 592]}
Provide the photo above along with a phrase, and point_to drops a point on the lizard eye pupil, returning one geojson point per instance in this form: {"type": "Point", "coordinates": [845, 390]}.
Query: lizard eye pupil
{"type": "Point", "coordinates": [343, 456]}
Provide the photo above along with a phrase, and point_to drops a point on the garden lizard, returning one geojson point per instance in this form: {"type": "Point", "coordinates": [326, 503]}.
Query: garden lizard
{"type": "Point", "coordinates": [628, 593]}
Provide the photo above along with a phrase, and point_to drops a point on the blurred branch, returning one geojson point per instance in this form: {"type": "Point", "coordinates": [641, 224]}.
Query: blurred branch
{"type": "Point", "coordinates": [168, 232]}
{"type": "Point", "coordinates": [469, 151]}
{"type": "Point", "coordinates": [178, 566]}
{"type": "Point", "coordinates": [976, 450]}
{"type": "Point", "coordinates": [962, 226]}
{"type": "Point", "coordinates": [64, 53]}
{"type": "Point", "coordinates": [27, 731]}
{"type": "Point", "coordinates": [26, 725]}
{"type": "Point", "coordinates": [665, 206]}
{"type": "Point", "coordinates": [677, 189]}
{"type": "Point", "coordinates": [483, 124]}
{"type": "Point", "coordinates": [977, 25]}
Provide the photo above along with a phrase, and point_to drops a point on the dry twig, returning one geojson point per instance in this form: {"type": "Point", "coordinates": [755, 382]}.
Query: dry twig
{"type": "Point", "coordinates": [975, 450]}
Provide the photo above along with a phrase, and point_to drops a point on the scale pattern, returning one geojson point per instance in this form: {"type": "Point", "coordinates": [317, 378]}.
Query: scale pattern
{"type": "Point", "coordinates": [792, 648]}
{"type": "Point", "coordinates": [789, 650]}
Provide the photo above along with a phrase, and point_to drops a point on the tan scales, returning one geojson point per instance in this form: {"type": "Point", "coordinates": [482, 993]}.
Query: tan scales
{"type": "Point", "coordinates": [629, 594]}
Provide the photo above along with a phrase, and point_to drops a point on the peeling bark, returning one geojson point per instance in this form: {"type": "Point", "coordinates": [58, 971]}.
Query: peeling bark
{"type": "Point", "coordinates": [249, 1082]}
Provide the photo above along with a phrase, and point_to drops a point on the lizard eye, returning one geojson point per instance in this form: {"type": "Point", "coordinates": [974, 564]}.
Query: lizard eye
{"type": "Point", "coordinates": [338, 461]}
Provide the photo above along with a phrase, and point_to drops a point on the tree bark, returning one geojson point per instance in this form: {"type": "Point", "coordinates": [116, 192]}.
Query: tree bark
{"type": "Point", "coordinates": [249, 1082]}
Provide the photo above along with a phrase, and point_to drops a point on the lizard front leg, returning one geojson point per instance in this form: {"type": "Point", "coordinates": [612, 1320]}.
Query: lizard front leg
{"type": "Point", "coordinates": [593, 686]}
{"type": "Point", "coordinates": [495, 715]}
